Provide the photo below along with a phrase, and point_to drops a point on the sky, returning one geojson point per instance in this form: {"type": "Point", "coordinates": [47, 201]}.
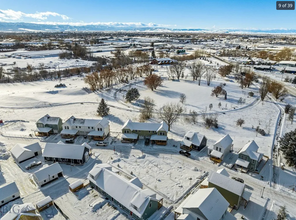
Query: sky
{"type": "Point", "coordinates": [214, 14]}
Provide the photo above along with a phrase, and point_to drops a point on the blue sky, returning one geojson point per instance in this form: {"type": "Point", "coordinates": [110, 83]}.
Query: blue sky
{"type": "Point", "coordinates": [218, 14]}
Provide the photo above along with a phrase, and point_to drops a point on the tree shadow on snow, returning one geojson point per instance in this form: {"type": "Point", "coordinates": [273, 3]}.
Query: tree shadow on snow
{"type": "Point", "coordinates": [168, 93]}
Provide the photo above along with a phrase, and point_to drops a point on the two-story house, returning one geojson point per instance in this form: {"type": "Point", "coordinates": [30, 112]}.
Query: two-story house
{"type": "Point", "coordinates": [94, 128]}
{"type": "Point", "coordinates": [136, 202]}
{"type": "Point", "coordinates": [48, 125]}
{"type": "Point", "coordinates": [205, 204]}
{"type": "Point", "coordinates": [221, 148]}
{"type": "Point", "coordinates": [156, 132]}
{"type": "Point", "coordinates": [248, 157]}
{"type": "Point", "coordinates": [193, 141]}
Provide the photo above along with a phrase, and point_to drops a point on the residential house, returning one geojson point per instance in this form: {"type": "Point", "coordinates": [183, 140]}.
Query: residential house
{"type": "Point", "coordinates": [136, 202]}
{"type": "Point", "coordinates": [48, 174]}
{"type": "Point", "coordinates": [230, 189]}
{"type": "Point", "coordinates": [97, 129]}
{"type": "Point", "coordinates": [21, 152]}
{"type": "Point", "coordinates": [162, 61]}
{"type": "Point", "coordinates": [248, 157]}
{"type": "Point", "coordinates": [205, 204]}
{"type": "Point", "coordinates": [22, 211]}
{"type": "Point", "coordinates": [220, 149]}
{"type": "Point", "coordinates": [66, 153]}
{"type": "Point", "coordinates": [156, 132]}
{"type": "Point", "coordinates": [193, 141]}
{"type": "Point", "coordinates": [48, 125]}
{"type": "Point", "coordinates": [8, 193]}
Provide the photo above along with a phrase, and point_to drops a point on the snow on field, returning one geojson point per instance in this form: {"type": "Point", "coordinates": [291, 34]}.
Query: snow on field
{"type": "Point", "coordinates": [169, 175]}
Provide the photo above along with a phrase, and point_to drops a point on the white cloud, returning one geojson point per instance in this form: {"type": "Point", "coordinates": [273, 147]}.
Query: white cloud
{"type": "Point", "coordinates": [11, 15]}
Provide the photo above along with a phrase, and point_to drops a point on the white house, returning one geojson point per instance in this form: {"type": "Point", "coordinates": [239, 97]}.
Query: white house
{"type": "Point", "coordinates": [21, 153]}
{"type": "Point", "coordinates": [48, 174]}
{"type": "Point", "coordinates": [94, 128]}
{"type": "Point", "coordinates": [205, 204]}
{"type": "Point", "coordinates": [221, 148]}
{"type": "Point", "coordinates": [193, 140]}
{"type": "Point", "coordinates": [137, 202]}
{"type": "Point", "coordinates": [9, 193]}
{"type": "Point", "coordinates": [67, 153]}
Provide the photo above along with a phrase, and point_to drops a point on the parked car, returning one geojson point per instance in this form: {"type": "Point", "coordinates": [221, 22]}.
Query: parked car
{"type": "Point", "coordinates": [33, 164]}
{"type": "Point", "coordinates": [147, 141]}
{"type": "Point", "coordinates": [69, 141]}
{"type": "Point", "coordinates": [185, 153]}
{"type": "Point", "coordinates": [238, 179]}
{"type": "Point", "coordinates": [102, 143]}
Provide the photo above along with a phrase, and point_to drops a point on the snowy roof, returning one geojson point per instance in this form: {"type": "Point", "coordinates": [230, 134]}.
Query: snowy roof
{"type": "Point", "coordinates": [66, 151]}
{"type": "Point", "coordinates": [19, 149]}
{"type": "Point", "coordinates": [226, 183]}
{"type": "Point", "coordinates": [287, 62]}
{"type": "Point", "coordinates": [223, 172]}
{"type": "Point", "coordinates": [251, 149]}
{"type": "Point", "coordinates": [46, 129]}
{"type": "Point", "coordinates": [137, 182]}
{"type": "Point", "coordinates": [43, 202]}
{"type": "Point", "coordinates": [8, 190]}
{"type": "Point", "coordinates": [158, 138]}
{"type": "Point", "coordinates": [209, 201]}
{"type": "Point", "coordinates": [145, 126]}
{"type": "Point", "coordinates": [69, 131]}
{"type": "Point", "coordinates": [129, 136]}
{"type": "Point", "coordinates": [216, 154]}
{"type": "Point", "coordinates": [46, 119]}
{"type": "Point", "coordinates": [87, 122]}
{"type": "Point", "coordinates": [17, 209]}
{"type": "Point", "coordinates": [43, 173]}
{"type": "Point", "coordinates": [126, 193]}
{"type": "Point", "coordinates": [224, 142]}
{"type": "Point", "coordinates": [96, 133]}
{"type": "Point", "coordinates": [194, 138]}
{"type": "Point", "coordinates": [186, 217]}
{"type": "Point", "coordinates": [242, 163]}
{"type": "Point", "coordinates": [75, 184]}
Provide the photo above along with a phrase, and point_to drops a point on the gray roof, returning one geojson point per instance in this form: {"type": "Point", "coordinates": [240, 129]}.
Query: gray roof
{"type": "Point", "coordinates": [194, 138]}
{"type": "Point", "coordinates": [251, 149]}
{"type": "Point", "coordinates": [224, 142]}
{"type": "Point", "coordinates": [226, 183]}
{"type": "Point", "coordinates": [66, 151]}
{"type": "Point", "coordinates": [8, 190]}
{"type": "Point", "coordinates": [19, 149]}
{"type": "Point", "coordinates": [46, 119]}
{"type": "Point", "coordinates": [87, 122]}
{"type": "Point", "coordinates": [145, 126]}
{"type": "Point", "coordinates": [43, 173]}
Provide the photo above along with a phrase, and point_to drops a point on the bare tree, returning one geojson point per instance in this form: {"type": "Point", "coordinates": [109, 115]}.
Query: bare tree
{"type": "Point", "coordinates": [240, 122]}
{"type": "Point", "coordinates": [277, 89]}
{"type": "Point", "coordinates": [193, 116]}
{"type": "Point", "coordinates": [147, 110]}
{"type": "Point", "coordinates": [182, 98]}
{"type": "Point", "coordinates": [196, 71]}
{"type": "Point", "coordinates": [209, 74]}
{"type": "Point", "coordinates": [225, 70]}
{"type": "Point", "coordinates": [177, 69]}
{"type": "Point", "coordinates": [153, 81]}
{"type": "Point", "coordinates": [264, 87]}
{"type": "Point", "coordinates": [170, 113]}
{"type": "Point", "coordinates": [92, 80]}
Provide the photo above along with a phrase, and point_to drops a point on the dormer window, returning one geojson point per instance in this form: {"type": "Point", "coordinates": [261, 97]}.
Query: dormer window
{"type": "Point", "coordinates": [188, 138]}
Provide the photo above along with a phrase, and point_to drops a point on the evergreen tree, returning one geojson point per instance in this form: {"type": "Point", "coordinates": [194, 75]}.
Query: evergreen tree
{"type": "Point", "coordinates": [288, 147]}
{"type": "Point", "coordinates": [132, 94]}
{"type": "Point", "coordinates": [291, 114]}
{"type": "Point", "coordinates": [153, 54]}
{"type": "Point", "coordinates": [103, 109]}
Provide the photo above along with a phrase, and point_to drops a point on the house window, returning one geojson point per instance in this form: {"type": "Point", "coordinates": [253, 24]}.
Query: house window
{"type": "Point", "coordinates": [92, 127]}
{"type": "Point", "coordinates": [188, 138]}
{"type": "Point", "coordinates": [52, 176]}
{"type": "Point", "coordinates": [100, 129]}
{"type": "Point", "coordinates": [216, 148]}
{"type": "Point", "coordinates": [13, 196]}
{"type": "Point", "coordinates": [150, 205]}
{"type": "Point", "coordinates": [44, 180]}
{"type": "Point", "coordinates": [76, 127]}
{"type": "Point", "coordinates": [220, 149]}
{"type": "Point", "coordinates": [79, 126]}
{"type": "Point", "coordinates": [88, 127]}
{"type": "Point", "coordinates": [2, 201]}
